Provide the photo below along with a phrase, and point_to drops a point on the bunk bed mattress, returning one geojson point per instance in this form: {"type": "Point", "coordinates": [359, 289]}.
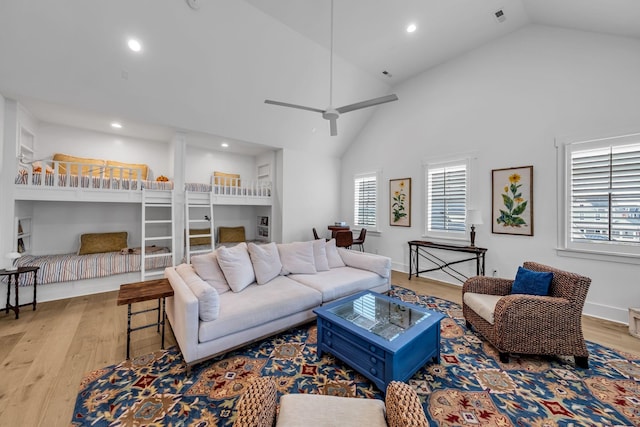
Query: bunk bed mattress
{"type": "Point", "coordinates": [94, 182]}
{"type": "Point", "coordinates": [71, 267]}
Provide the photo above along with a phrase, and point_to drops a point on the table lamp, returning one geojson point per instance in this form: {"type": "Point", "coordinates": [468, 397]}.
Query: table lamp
{"type": "Point", "coordinates": [13, 256]}
{"type": "Point", "coordinates": [474, 217]}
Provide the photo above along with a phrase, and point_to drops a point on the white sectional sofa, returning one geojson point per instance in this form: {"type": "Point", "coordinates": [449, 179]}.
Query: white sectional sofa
{"type": "Point", "coordinates": [237, 295]}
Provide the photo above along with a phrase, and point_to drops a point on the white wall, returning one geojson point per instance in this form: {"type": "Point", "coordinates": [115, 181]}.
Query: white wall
{"type": "Point", "coordinates": [57, 226]}
{"type": "Point", "coordinates": [508, 101]}
{"type": "Point", "coordinates": [53, 138]}
{"type": "Point", "coordinates": [201, 163]}
{"type": "Point", "coordinates": [310, 195]}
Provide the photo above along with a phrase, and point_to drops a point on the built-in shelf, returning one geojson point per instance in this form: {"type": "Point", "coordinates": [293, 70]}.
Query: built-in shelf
{"type": "Point", "coordinates": [23, 235]}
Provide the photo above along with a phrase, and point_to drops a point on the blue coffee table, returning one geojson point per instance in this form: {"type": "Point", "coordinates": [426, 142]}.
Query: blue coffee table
{"type": "Point", "coordinates": [383, 338]}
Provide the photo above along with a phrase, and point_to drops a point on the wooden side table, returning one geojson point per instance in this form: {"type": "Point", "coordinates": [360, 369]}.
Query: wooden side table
{"type": "Point", "coordinates": [15, 275]}
{"type": "Point", "coordinates": [145, 291]}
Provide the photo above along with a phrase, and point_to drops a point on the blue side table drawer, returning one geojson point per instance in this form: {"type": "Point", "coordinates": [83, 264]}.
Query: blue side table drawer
{"type": "Point", "coordinates": [364, 357]}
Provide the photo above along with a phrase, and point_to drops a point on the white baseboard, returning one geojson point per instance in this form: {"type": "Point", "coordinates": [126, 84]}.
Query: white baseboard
{"type": "Point", "coordinates": [601, 311]}
{"type": "Point", "coordinates": [62, 290]}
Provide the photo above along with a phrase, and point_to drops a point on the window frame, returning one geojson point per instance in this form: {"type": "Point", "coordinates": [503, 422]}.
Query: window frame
{"type": "Point", "coordinates": [377, 175]}
{"type": "Point", "coordinates": [437, 163]}
{"type": "Point", "coordinates": [614, 251]}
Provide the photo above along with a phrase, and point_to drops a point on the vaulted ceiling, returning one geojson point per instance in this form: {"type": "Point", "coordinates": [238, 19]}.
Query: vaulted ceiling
{"type": "Point", "coordinates": [208, 70]}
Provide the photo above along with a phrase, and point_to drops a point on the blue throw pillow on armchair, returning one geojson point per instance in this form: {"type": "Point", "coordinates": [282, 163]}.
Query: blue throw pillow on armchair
{"type": "Point", "coordinates": [531, 282]}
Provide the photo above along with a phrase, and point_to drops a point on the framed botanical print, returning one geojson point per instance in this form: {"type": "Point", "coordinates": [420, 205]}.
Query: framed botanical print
{"type": "Point", "coordinates": [512, 200]}
{"type": "Point", "coordinates": [400, 202]}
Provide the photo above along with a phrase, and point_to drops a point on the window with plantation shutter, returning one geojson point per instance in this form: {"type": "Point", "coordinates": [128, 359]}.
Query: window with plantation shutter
{"type": "Point", "coordinates": [365, 200]}
{"type": "Point", "coordinates": [446, 197]}
{"type": "Point", "coordinates": [604, 193]}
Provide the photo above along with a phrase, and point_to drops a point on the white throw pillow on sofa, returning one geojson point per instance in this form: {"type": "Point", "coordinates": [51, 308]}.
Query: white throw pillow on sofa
{"type": "Point", "coordinates": [297, 258]}
{"type": "Point", "coordinates": [236, 266]}
{"type": "Point", "coordinates": [320, 255]}
{"type": "Point", "coordinates": [266, 261]}
{"type": "Point", "coordinates": [209, 270]}
{"type": "Point", "coordinates": [208, 298]}
{"type": "Point", "coordinates": [332, 254]}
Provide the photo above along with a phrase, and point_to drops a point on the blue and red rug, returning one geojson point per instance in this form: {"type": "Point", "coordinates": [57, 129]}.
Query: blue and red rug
{"type": "Point", "coordinates": [470, 387]}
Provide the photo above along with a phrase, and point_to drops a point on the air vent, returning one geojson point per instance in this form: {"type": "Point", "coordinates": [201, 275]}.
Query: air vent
{"type": "Point", "coordinates": [500, 17]}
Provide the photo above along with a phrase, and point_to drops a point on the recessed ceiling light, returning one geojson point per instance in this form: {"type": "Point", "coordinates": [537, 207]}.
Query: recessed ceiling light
{"type": "Point", "coordinates": [411, 28]}
{"type": "Point", "coordinates": [134, 45]}
{"type": "Point", "coordinates": [116, 125]}
{"type": "Point", "coordinates": [224, 145]}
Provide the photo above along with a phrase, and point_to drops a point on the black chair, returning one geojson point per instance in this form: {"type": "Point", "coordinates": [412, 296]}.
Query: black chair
{"type": "Point", "coordinates": [344, 239]}
{"type": "Point", "coordinates": [315, 234]}
{"type": "Point", "coordinates": [360, 239]}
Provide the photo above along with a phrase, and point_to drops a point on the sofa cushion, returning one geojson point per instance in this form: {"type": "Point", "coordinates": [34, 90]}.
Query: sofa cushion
{"type": "Point", "coordinates": [208, 298]}
{"type": "Point", "coordinates": [257, 305]}
{"type": "Point", "coordinates": [340, 282]}
{"type": "Point", "coordinates": [236, 266]}
{"type": "Point", "coordinates": [531, 282]}
{"type": "Point", "coordinates": [297, 258]}
{"type": "Point", "coordinates": [484, 305]}
{"type": "Point", "coordinates": [374, 263]}
{"type": "Point", "coordinates": [320, 255]}
{"type": "Point", "coordinates": [332, 255]}
{"type": "Point", "coordinates": [209, 270]}
{"type": "Point", "coordinates": [265, 260]}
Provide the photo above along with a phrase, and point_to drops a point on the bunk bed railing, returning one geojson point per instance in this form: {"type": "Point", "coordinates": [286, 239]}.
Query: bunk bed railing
{"type": "Point", "coordinates": [66, 174]}
{"type": "Point", "coordinates": [235, 187]}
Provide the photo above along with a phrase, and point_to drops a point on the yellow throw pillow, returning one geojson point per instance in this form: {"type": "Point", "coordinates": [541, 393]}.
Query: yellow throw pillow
{"type": "Point", "coordinates": [231, 234]}
{"type": "Point", "coordinates": [95, 243]}
{"type": "Point", "coordinates": [226, 179]}
{"type": "Point", "coordinates": [128, 173]}
{"type": "Point", "coordinates": [195, 241]}
{"type": "Point", "coordinates": [94, 166]}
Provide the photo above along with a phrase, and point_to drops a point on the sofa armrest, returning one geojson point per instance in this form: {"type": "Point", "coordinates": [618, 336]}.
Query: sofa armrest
{"type": "Point", "coordinates": [403, 406]}
{"type": "Point", "coordinates": [533, 312]}
{"type": "Point", "coordinates": [182, 311]}
{"type": "Point", "coordinates": [257, 406]}
{"type": "Point", "coordinates": [487, 285]}
{"type": "Point", "coordinates": [378, 264]}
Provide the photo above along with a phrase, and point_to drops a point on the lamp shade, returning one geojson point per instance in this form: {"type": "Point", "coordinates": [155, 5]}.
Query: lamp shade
{"type": "Point", "coordinates": [12, 256]}
{"type": "Point", "coordinates": [474, 217]}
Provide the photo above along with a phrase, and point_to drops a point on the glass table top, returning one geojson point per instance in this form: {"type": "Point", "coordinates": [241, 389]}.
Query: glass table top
{"type": "Point", "coordinates": [380, 316]}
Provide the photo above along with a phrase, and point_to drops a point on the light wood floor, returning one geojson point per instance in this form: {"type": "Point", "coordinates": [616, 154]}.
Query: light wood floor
{"type": "Point", "coordinates": [45, 354]}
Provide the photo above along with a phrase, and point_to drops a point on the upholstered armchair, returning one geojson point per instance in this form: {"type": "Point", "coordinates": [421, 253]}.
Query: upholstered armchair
{"type": "Point", "coordinates": [529, 324]}
{"type": "Point", "coordinates": [257, 408]}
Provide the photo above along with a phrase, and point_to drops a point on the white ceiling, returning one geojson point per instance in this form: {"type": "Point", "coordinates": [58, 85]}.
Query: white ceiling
{"type": "Point", "coordinates": [208, 71]}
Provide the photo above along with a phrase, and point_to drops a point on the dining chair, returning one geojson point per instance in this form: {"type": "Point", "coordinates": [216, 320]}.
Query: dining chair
{"type": "Point", "coordinates": [360, 239]}
{"type": "Point", "coordinates": [344, 239]}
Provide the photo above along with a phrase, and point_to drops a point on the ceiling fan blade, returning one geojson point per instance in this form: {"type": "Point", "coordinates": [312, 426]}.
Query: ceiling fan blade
{"type": "Point", "coordinates": [368, 103]}
{"type": "Point", "coordinates": [300, 107]}
{"type": "Point", "coordinates": [333, 123]}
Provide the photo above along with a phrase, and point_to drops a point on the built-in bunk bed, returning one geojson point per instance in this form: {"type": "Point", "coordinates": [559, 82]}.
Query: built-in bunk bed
{"type": "Point", "coordinates": [223, 189]}
{"type": "Point", "coordinates": [65, 178]}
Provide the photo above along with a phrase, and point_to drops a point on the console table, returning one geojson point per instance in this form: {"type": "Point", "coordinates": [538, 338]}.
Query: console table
{"type": "Point", "coordinates": [15, 274]}
{"type": "Point", "coordinates": [424, 249]}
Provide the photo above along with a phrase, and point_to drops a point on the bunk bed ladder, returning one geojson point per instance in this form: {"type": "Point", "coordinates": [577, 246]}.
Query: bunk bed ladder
{"type": "Point", "coordinates": [198, 216]}
{"type": "Point", "coordinates": [157, 230]}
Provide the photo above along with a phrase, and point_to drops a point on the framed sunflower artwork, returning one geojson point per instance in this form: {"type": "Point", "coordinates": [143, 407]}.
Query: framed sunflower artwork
{"type": "Point", "coordinates": [400, 202]}
{"type": "Point", "coordinates": [512, 201]}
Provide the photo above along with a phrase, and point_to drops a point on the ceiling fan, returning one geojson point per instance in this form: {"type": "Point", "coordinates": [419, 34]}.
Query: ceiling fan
{"type": "Point", "coordinates": [330, 113]}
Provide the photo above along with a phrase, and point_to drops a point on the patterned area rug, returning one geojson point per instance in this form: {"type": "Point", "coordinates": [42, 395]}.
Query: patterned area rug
{"type": "Point", "coordinates": [470, 387]}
